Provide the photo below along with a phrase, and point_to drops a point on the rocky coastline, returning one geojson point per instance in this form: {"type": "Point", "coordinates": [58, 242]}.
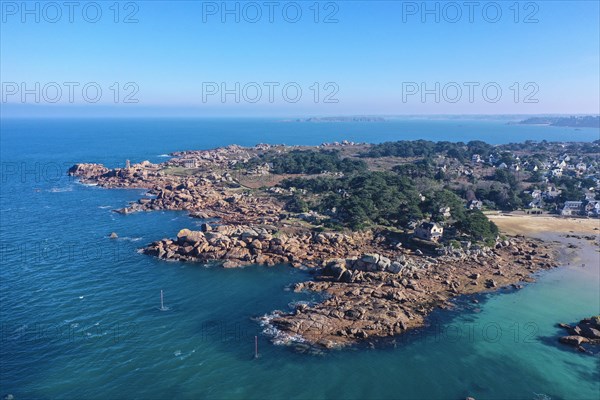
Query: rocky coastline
{"type": "Point", "coordinates": [210, 192]}
{"type": "Point", "coordinates": [373, 288]}
{"type": "Point", "coordinates": [375, 283]}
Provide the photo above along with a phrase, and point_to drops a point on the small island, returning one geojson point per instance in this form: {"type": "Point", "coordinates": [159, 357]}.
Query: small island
{"type": "Point", "coordinates": [389, 231]}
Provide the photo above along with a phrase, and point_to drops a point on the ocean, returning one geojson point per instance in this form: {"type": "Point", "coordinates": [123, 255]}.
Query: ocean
{"type": "Point", "coordinates": [80, 317]}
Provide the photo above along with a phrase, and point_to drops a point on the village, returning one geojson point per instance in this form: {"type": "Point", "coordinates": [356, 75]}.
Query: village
{"type": "Point", "coordinates": [560, 179]}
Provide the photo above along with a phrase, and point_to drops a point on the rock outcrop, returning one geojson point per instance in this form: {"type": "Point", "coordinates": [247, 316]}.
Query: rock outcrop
{"type": "Point", "coordinates": [373, 288]}
{"type": "Point", "coordinates": [587, 331]}
{"type": "Point", "coordinates": [208, 195]}
{"type": "Point", "coordinates": [238, 245]}
{"type": "Point", "coordinates": [374, 296]}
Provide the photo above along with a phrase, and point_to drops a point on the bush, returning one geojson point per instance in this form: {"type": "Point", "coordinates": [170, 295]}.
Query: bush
{"type": "Point", "coordinates": [297, 205]}
{"type": "Point", "coordinates": [478, 226]}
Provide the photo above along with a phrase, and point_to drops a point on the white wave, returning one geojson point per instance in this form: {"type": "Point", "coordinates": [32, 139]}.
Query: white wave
{"type": "Point", "coordinates": [61, 189]}
{"type": "Point", "coordinates": [104, 207]}
{"type": "Point", "coordinates": [129, 239]}
{"type": "Point", "coordinates": [164, 155]}
{"type": "Point", "coordinates": [278, 337]}
{"type": "Point", "coordinates": [179, 354]}
{"type": "Point", "coordinates": [294, 304]}
{"type": "Point", "coordinates": [94, 335]}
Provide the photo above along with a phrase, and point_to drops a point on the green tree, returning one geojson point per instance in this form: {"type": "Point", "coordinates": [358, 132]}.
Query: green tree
{"type": "Point", "coordinates": [478, 226]}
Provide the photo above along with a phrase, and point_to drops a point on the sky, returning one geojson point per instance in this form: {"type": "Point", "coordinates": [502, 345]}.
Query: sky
{"type": "Point", "coordinates": [303, 58]}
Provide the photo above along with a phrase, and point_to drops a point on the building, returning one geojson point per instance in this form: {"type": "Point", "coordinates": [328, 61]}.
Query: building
{"type": "Point", "coordinates": [551, 193]}
{"type": "Point", "coordinates": [536, 203]}
{"type": "Point", "coordinates": [592, 208]}
{"type": "Point", "coordinates": [429, 231]}
{"type": "Point", "coordinates": [445, 212]}
{"type": "Point", "coordinates": [557, 172]}
{"type": "Point", "coordinates": [581, 167]}
{"type": "Point", "coordinates": [572, 208]}
{"type": "Point", "coordinates": [474, 205]}
{"type": "Point", "coordinates": [189, 163]}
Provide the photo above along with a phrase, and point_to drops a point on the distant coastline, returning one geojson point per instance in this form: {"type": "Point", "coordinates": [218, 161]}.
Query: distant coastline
{"type": "Point", "coordinates": [358, 118]}
{"type": "Point", "coordinates": [567, 122]}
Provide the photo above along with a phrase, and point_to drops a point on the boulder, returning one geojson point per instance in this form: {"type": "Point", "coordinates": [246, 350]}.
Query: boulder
{"type": "Point", "coordinates": [231, 264]}
{"type": "Point", "coordinates": [205, 227]}
{"type": "Point", "coordinates": [589, 332]}
{"type": "Point", "coordinates": [189, 236]}
{"type": "Point", "coordinates": [395, 267]}
{"type": "Point", "coordinates": [211, 236]}
{"type": "Point", "coordinates": [370, 258]}
{"type": "Point", "coordinates": [573, 340]}
{"type": "Point", "coordinates": [384, 263]}
{"type": "Point", "coordinates": [239, 253]}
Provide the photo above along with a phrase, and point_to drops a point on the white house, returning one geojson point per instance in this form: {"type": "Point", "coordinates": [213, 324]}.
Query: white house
{"type": "Point", "coordinates": [474, 205]}
{"type": "Point", "coordinates": [572, 208]}
{"type": "Point", "coordinates": [429, 231]}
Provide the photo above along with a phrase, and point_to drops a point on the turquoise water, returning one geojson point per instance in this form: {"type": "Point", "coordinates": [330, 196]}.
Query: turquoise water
{"type": "Point", "coordinates": [79, 312]}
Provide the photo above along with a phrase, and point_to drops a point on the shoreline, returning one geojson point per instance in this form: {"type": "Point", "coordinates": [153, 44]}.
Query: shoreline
{"type": "Point", "coordinates": [383, 306]}
{"type": "Point", "coordinates": [377, 282]}
{"type": "Point", "coordinates": [367, 295]}
{"type": "Point", "coordinates": [567, 257]}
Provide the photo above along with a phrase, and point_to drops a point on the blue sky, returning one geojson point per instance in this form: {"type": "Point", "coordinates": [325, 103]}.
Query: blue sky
{"type": "Point", "coordinates": [376, 59]}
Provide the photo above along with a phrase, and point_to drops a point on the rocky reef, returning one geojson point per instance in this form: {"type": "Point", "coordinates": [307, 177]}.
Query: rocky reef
{"type": "Point", "coordinates": [586, 332]}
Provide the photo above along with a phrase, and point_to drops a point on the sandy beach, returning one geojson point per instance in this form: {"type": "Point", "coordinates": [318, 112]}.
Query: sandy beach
{"type": "Point", "coordinates": [535, 224]}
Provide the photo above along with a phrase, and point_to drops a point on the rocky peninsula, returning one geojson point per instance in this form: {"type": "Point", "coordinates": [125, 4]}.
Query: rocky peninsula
{"type": "Point", "coordinates": [377, 279]}
{"type": "Point", "coordinates": [372, 287]}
